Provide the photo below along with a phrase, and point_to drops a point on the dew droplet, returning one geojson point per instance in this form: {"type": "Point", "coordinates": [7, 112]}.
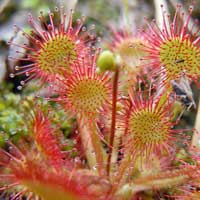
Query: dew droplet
{"type": "Point", "coordinates": [12, 75]}
{"type": "Point", "coordinates": [27, 74]}
{"type": "Point", "coordinates": [77, 160]}
{"type": "Point", "coordinates": [98, 39]}
{"type": "Point", "coordinates": [16, 68]}
{"type": "Point", "coordinates": [78, 21]}
{"type": "Point", "coordinates": [84, 28]}
{"type": "Point", "coordinates": [93, 26]}
{"type": "Point", "coordinates": [94, 168]}
{"type": "Point", "coordinates": [93, 48]}
{"type": "Point", "coordinates": [72, 11]}
{"type": "Point", "coordinates": [19, 87]}
{"type": "Point", "coordinates": [13, 132]}
{"type": "Point", "coordinates": [22, 82]}
{"type": "Point", "coordinates": [130, 45]}
{"type": "Point", "coordinates": [74, 142]}
{"type": "Point", "coordinates": [10, 148]}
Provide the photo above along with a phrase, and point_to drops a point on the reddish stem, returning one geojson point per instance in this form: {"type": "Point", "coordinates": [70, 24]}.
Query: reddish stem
{"type": "Point", "coordinates": [112, 132]}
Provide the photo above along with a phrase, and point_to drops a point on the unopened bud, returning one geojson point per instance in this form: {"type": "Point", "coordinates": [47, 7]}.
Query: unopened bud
{"type": "Point", "coordinates": [106, 61]}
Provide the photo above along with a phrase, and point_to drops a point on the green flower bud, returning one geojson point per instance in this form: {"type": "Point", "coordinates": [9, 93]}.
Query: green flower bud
{"type": "Point", "coordinates": [106, 61]}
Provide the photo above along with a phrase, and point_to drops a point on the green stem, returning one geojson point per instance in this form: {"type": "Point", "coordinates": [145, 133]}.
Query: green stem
{"type": "Point", "coordinates": [87, 144]}
{"type": "Point", "coordinates": [121, 177]}
{"type": "Point", "coordinates": [126, 160]}
{"type": "Point", "coordinates": [95, 154]}
{"type": "Point", "coordinates": [115, 152]}
{"type": "Point", "coordinates": [126, 9]}
{"type": "Point", "coordinates": [98, 149]}
{"type": "Point", "coordinates": [162, 180]}
{"type": "Point", "coordinates": [113, 123]}
{"type": "Point", "coordinates": [196, 137]}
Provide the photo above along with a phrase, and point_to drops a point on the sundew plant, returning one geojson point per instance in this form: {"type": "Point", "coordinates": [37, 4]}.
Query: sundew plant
{"type": "Point", "coordinates": [122, 100]}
